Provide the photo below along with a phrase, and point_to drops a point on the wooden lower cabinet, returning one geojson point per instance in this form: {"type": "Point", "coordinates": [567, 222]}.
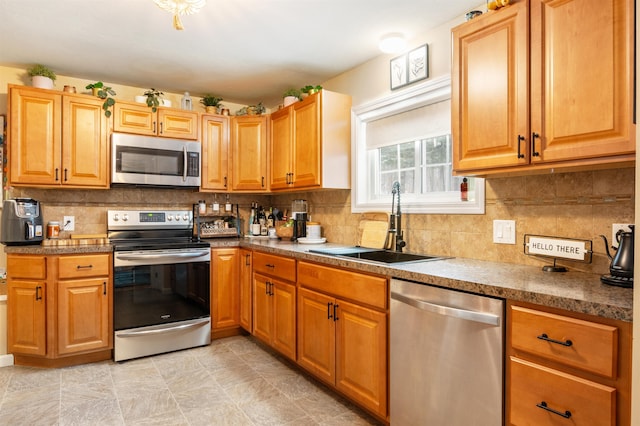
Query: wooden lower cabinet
{"type": "Point", "coordinates": [59, 309]}
{"type": "Point", "coordinates": [566, 368]}
{"type": "Point", "coordinates": [83, 315]}
{"type": "Point", "coordinates": [225, 289]}
{"type": "Point", "coordinates": [274, 313]}
{"type": "Point", "coordinates": [344, 345]}
{"type": "Point", "coordinates": [26, 317]}
{"type": "Point", "coordinates": [246, 290]}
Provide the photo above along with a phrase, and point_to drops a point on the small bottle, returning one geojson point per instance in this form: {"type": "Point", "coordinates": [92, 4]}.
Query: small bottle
{"type": "Point", "coordinates": [464, 192]}
{"type": "Point", "coordinates": [252, 215]}
{"type": "Point", "coordinates": [202, 207]}
{"type": "Point", "coordinates": [185, 102]}
{"type": "Point", "coordinates": [271, 220]}
{"type": "Point", "coordinates": [255, 227]}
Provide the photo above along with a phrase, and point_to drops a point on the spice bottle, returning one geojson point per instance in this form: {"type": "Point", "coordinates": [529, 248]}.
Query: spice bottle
{"type": "Point", "coordinates": [464, 193]}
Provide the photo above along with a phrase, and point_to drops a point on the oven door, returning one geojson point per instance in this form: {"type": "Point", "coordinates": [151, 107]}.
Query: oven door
{"type": "Point", "coordinates": [154, 287]}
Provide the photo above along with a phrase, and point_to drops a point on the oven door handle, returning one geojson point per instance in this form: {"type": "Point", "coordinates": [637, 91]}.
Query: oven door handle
{"type": "Point", "coordinates": [168, 257]}
{"type": "Point", "coordinates": [164, 330]}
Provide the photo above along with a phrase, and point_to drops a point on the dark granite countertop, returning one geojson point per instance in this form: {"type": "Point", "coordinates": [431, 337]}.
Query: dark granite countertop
{"type": "Point", "coordinates": [572, 291]}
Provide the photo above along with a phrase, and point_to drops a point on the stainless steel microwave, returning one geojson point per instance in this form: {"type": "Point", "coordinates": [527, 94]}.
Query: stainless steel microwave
{"type": "Point", "coordinates": [154, 161]}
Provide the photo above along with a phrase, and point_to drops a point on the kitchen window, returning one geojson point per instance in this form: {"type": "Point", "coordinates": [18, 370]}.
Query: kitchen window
{"type": "Point", "coordinates": [407, 138]}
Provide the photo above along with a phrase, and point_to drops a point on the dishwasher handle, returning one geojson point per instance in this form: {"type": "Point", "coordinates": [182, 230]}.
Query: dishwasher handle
{"type": "Point", "coordinates": [464, 314]}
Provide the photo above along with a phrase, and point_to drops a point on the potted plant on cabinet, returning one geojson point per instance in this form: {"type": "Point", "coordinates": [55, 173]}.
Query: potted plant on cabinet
{"type": "Point", "coordinates": [153, 99]}
{"type": "Point", "coordinates": [211, 103]}
{"type": "Point", "coordinates": [290, 96]}
{"type": "Point", "coordinates": [309, 90]}
{"type": "Point", "coordinates": [41, 76]}
{"type": "Point", "coordinates": [103, 92]}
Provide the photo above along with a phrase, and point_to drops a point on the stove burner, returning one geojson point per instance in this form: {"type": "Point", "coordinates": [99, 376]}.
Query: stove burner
{"type": "Point", "coordinates": [617, 281]}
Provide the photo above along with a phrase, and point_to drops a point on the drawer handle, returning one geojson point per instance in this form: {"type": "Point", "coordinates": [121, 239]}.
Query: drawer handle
{"type": "Point", "coordinates": [268, 265]}
{"type": "Point", "coordinates": [544, 406]}
{"type": "Point", "coordinates": [544, 336]}
{"type": "Point", "coordinates": [84, 266]}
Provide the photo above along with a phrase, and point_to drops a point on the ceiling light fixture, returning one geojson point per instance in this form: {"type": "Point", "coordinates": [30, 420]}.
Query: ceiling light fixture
{"type": "Point", "coordinates": [392, 43]}
{"type": "Point", "coordinates": [180, 7]}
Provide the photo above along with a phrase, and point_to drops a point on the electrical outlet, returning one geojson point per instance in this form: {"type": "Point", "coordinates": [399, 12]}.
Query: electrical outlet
{"type": "Point", "coordinates": [504, 231]}
{"type": "Point", "coordinates": [69, 223]}
{"type": "Point", "coordinates": [614, 230]}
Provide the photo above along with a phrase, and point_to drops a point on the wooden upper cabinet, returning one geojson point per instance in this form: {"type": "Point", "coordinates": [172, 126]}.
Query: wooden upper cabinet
{"type": "Point", "coordinates": [215, 153]}
{"type": "Point", "coordinates": [311, 143]}
{"type": "Point", "coordinates": [249, 153]}
{"type": "Point", "coordinates": [34, 136]}
{"type": "Point", "coordinates": [85, 148]}
{"type": "Point", "coordinates": [57, 139]}
{"type": "Point", "coordinates": [543, 84]}
{"type": "Point", "coordinates": [133, 117]}
{"type": "Point", "coordinates": [582, 80]}
{"type": "Point", "coordinates": [281, 147]}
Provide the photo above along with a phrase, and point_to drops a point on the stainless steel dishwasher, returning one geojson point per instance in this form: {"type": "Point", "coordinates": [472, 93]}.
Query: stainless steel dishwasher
{"type": "Point", "coordinates": [446, 356]}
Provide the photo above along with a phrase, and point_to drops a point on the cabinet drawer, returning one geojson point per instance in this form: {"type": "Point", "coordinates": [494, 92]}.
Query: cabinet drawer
{"type": "Point", "coordinates": [275, 266]}
{"type": "Point", "coordinates": [34, 267]}
{"type": "Point", "coordinates": [533, 385]}
{"type": "Point", "coordinates": [367, 289]}
{"type": "Point", "coordinates": [84, 266]}
{"type": "Point", "coordinates": [587, 345]}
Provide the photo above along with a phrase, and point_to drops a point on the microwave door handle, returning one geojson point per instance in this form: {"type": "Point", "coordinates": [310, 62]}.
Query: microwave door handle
{"type": "Point", "coordinates": [184, 168]}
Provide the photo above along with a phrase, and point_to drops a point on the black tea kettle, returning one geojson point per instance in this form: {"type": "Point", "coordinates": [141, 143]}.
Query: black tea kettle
{"type": "Point", "coordinates": [621, 267]}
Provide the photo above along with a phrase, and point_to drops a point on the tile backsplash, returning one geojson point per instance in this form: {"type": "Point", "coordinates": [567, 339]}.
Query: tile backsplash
{"type": "Point", "coordinates": [580, 205]}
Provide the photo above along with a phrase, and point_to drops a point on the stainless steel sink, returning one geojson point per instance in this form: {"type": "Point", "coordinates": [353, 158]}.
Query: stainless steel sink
{"type": "Point", "coordinates": [378, 256]}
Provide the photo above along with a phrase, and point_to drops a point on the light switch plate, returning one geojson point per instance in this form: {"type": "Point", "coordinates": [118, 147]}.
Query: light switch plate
{"type": "Point", "coordinates": [504, 231]}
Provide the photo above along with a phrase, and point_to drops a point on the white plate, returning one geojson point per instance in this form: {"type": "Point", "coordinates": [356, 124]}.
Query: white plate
{"type": "Point", "coordinates": [310, 241]}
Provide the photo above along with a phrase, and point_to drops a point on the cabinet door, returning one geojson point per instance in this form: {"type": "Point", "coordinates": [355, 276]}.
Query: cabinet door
{"type": "Point", "coordinates": [225, 291]}
{"type": "Point", "coordinates": [489, 90]}
{"type": "Point", "coordinates": [177, 124]}
{"type": "Point", "coordinates": [26, 317]}
{"type": "Point", "coordinates": [246, 299]}
{"type": "Point", "coordinates": [215, 153]}
{"type": "Point", "coordinates": [307, 139]}
{"type": "Point", "coordinates": [316, 334]}
{"type": "Point", "coordinates": [35, 136]}
{"type": "Point", "coordinates": [249, 153]}
{"type": "Point", "coordinates": [284, 318]}
{"type": "Point", "coordinates": [582, 78]}
{"type": "Point", "coordinates": [281, 146]}
{"type": "Point", "coordinates": [361, 355]}
{"type": "Point", "coordinates": [85, 149]}
{"type": "Point", "coordinates": [262, 306]}
{"type": "Point", "coordinates": [83, 315]}
{"type": "Point", "coordinates": [129, 117]}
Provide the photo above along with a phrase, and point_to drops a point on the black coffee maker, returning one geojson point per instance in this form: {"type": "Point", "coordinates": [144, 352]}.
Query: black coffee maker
{"type": "Point", "coordinates": [300, 216]}
{"type": "Point", "coordinates": [621, 268]}
{"type": "Point", "coordinates": [21, 222]}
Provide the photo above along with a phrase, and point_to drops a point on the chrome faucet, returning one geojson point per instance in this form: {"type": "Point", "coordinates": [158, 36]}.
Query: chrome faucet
{"type": "Point", "coordinates": [394, 240]}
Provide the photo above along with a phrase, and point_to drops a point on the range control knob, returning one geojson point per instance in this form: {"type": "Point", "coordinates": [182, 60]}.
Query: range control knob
{"type": "Point", "coordinates": [125, 217]}
{"type": "Point", "coordinates": [185, 216]}
{"type": "Point", "coordinates": [177, 218]}
{"type": "Point", "coordinates": [169, 217]}
{"type": "Point", "coordinates": [116, 217]}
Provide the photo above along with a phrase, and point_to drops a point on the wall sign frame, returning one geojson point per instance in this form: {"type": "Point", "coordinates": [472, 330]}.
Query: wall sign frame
{"type": "Point", "coordinates": [410, 67]}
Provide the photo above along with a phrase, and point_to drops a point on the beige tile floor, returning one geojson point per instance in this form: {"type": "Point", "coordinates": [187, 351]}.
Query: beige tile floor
{"type": "Point", "coordinates": [234, 381]}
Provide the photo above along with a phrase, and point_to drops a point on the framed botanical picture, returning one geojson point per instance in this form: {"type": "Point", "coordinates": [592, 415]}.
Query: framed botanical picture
{"type": "Point", "coordinates": [398, 71]}
{"type": "Point", "coordinates": [418, 64]}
